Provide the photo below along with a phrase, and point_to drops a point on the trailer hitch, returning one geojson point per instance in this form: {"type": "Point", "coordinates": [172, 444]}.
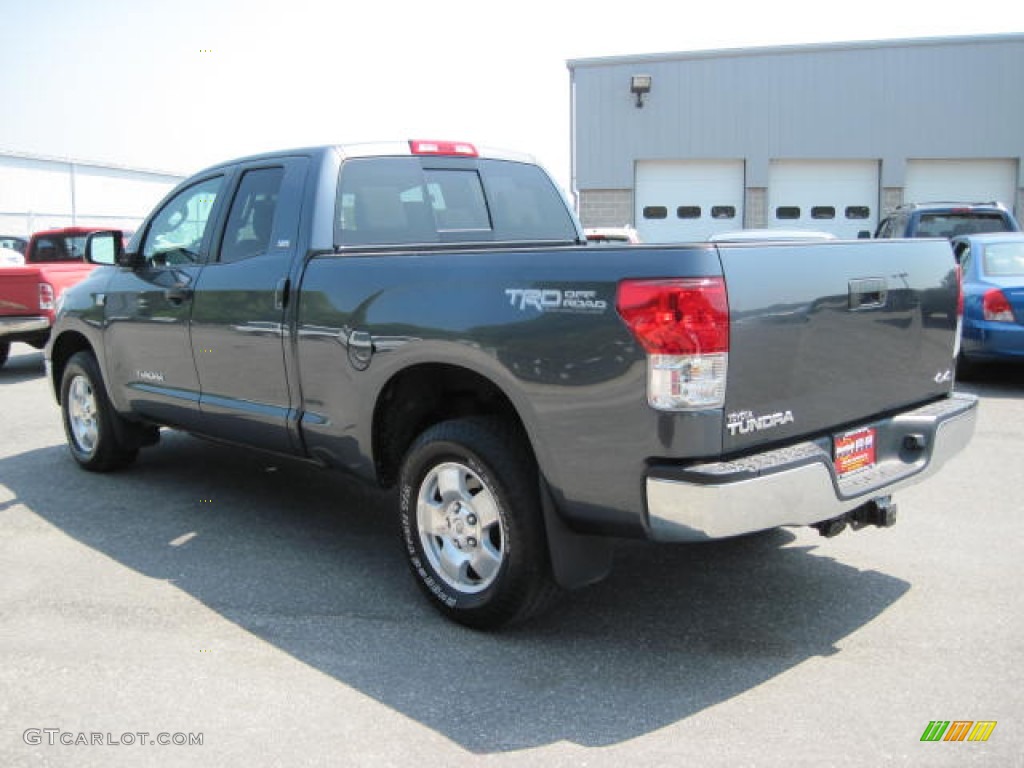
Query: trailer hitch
{"type": "Point", "coordinates": [880, 512]}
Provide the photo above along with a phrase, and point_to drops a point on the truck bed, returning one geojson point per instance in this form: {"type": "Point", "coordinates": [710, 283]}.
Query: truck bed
{"type": "Point", "coordinates": [822, 336]}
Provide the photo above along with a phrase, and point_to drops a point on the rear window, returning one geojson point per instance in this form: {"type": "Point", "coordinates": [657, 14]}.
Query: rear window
{"type": "Point", "coordinates": [1004, 259]}
{"type": "Point", "coordinates": [398, 201]}
{"type": "Point", "coordinates": [57, 248]}
{"type": "Point", "coordinates": [952, 224]}
{"type": "Point", "coordinates": [14, 243]}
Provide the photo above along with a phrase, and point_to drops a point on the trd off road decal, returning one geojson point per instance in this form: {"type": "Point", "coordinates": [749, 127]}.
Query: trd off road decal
{"type": "Point", "coordinates": [556, 300]}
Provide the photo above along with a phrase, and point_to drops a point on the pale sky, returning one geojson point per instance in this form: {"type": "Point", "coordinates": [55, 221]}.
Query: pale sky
{"type": "Point", "coordinates": [177, 85]}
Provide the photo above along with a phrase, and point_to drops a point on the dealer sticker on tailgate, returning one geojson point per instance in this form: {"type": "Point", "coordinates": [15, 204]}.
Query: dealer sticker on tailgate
{"type": "Point", "coordinates": [855, 450]}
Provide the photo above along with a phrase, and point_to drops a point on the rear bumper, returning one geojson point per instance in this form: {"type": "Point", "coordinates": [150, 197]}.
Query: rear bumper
{"type": "Point", "coordinates": [992, 341]}
{"type": "Point", "coordinates": [18, 328]}
{"type": "Point", "coordinates": [798, 485]}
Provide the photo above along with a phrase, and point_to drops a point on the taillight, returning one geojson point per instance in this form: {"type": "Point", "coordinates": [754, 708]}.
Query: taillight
{"type": "Point", "coordinates": [461, 148]}
{"type": "Point", "coordinates": [683, 324]}
{"type": "Point", "coordinates": [996, 307]}
{"type": "Point", "coordinates": [47, 298]}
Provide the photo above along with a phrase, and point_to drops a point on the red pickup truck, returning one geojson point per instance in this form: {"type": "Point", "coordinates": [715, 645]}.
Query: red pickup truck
{"type": "Point", "coordinates": [54, 261]}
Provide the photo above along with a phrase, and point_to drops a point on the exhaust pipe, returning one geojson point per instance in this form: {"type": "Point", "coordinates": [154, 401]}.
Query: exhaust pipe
{"type": "Point", "coordinates": [880, 512]}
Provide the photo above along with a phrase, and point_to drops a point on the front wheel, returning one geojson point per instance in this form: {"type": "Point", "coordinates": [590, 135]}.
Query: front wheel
{"type": "Point", "coordinates": [5, 350]}
{"type": "Point", "coordinates": [89, 418]}
{"type": "Point", "coordinates": [472, 524]}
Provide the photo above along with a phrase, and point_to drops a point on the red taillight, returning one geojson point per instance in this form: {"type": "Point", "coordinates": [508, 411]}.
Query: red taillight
{"type": "Point", "coordinates": [47, 298]}
{"type": "Point", "coordinates": [677, 317]}
{"type": "Point", "coordinates": [683, 324]}
{"type": "Point", "coordinates": [460, 148]}
{"type": "Point", "coordinates": [996, 307]}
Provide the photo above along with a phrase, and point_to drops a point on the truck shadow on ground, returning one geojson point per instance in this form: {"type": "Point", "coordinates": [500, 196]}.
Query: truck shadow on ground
{"type": "Point", "coordinates": [309, 561]}
{"type": "Point", "coordinates": [1002, 380]}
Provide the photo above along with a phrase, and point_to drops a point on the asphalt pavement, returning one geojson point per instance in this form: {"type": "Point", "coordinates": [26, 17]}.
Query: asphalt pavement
{"type": "Point", "coordinates": [254, 611]}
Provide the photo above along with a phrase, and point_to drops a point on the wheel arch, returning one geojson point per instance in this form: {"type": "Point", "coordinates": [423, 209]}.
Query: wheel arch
{"type": "Point", "coordinates": [424, 394]}
{"type": "Point", "coordinates": [62, 349]}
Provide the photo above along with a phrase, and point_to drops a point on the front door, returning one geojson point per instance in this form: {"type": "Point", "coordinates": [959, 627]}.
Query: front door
{"type": "Point", "coordinates": [147, 345]}
{"type": "Point", "coordinates": [239, 332]}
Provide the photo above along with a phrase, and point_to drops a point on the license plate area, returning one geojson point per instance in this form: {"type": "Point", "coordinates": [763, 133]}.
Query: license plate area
{"type": "Point", "coordinates": [854, 451]}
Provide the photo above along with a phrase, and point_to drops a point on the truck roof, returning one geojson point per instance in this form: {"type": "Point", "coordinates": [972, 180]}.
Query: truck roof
{"type": "Point", "coordinates": [390, 149]}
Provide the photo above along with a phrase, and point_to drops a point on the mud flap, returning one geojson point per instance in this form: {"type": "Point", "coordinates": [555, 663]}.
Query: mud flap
{"type": "Point", "coordinates": [577, 560]}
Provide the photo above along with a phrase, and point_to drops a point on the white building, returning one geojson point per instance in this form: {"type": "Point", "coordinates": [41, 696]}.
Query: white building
{"type": "Point", "coordinates": [39, 193]}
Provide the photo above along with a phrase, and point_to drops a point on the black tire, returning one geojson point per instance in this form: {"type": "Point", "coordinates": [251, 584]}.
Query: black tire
{"type": "Point", "coordinates": [5, 350]}
{"type": "Point", "coordinates": [486, 563]}
{"type": "Point", "coordinates": [90, 422]}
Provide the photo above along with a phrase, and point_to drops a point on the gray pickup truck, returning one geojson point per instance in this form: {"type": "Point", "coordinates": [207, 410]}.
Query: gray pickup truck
{"type": "Point", "coordinates": [427, 315]}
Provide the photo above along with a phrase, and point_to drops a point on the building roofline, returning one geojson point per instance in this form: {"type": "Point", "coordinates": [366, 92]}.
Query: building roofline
{"type": "Point", "coordinates": [88, 163]}
{"type": "Point", "coordinates": [774, 50]}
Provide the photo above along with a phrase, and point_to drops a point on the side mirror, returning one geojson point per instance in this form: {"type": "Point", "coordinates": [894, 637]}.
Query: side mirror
{"type": "Point", "coordinates": [106, 248]}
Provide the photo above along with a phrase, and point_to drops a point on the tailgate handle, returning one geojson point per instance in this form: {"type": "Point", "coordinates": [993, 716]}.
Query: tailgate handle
{"type": "Point", "coordinates": [868, 293]}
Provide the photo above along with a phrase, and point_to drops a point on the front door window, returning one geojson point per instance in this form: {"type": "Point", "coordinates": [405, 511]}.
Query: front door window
{"type": "Point", "coordinates": [176, 234]}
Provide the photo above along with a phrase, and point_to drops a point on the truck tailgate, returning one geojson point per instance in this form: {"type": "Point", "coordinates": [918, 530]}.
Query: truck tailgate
{"type": "Point", "coordinates": [826, 335]}
{"type": "Point", "coordinates": [19, 291]}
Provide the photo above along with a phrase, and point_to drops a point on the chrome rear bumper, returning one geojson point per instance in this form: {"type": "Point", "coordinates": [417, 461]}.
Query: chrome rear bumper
{"type": "Point", "coordinates": [798, 485]}
{"type": "Point", "coordinates": [16, 326]}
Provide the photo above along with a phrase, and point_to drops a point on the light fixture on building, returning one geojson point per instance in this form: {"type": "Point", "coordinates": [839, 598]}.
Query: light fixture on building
{"type": "Point", "coordinates": [640, 84]}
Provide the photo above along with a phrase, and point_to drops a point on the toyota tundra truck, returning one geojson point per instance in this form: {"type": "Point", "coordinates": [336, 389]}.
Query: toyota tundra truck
{"type": "Point", "coordinates": [428, 316]}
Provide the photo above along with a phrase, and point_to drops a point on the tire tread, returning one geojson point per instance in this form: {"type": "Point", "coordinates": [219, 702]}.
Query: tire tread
{"type": "Point", "coordinates": [110, 454]}
{"type": "Point", "coordinates": [504, 450]}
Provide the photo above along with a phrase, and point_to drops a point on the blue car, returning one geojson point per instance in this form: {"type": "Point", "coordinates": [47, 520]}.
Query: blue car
{"type": "Point", "coordinates": [992, 266]}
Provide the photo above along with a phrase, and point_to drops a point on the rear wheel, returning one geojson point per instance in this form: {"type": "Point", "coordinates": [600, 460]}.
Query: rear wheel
{"type": "Point", "coordinates": [5, 350]}
{"type": "Point", "coordinates": [89, 419]}
{"type": "Point", "coordinates": [472, 524]}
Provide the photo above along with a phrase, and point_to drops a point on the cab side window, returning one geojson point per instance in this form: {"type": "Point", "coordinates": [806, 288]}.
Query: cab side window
{"type": "Point", "coordinates": [251, 220]}
{"type": "Point", "coordinates": [177, 231]}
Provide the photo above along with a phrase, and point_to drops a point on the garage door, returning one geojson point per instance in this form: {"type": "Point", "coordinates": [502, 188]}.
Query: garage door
{"type": "Point", "coordinates": [972, 181]}
{"type": "Point", "coordinates": [837, 196]}
{"type": "Point", "coordinates": [687, 200]}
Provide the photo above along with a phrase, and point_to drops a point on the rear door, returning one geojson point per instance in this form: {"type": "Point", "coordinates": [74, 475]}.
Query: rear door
{"type": "Point", "coordinates": [829, 334]}
{"type": "Point", "coordinates": [238, 328]}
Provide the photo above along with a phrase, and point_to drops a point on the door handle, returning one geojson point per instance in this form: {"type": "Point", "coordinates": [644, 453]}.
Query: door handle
{"type": "Point", "coordinates": [178, 294]}
{"type": "Point", "coordinates": [281, 293]}
{"type": "Point", "coordinates": [868, 293]}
